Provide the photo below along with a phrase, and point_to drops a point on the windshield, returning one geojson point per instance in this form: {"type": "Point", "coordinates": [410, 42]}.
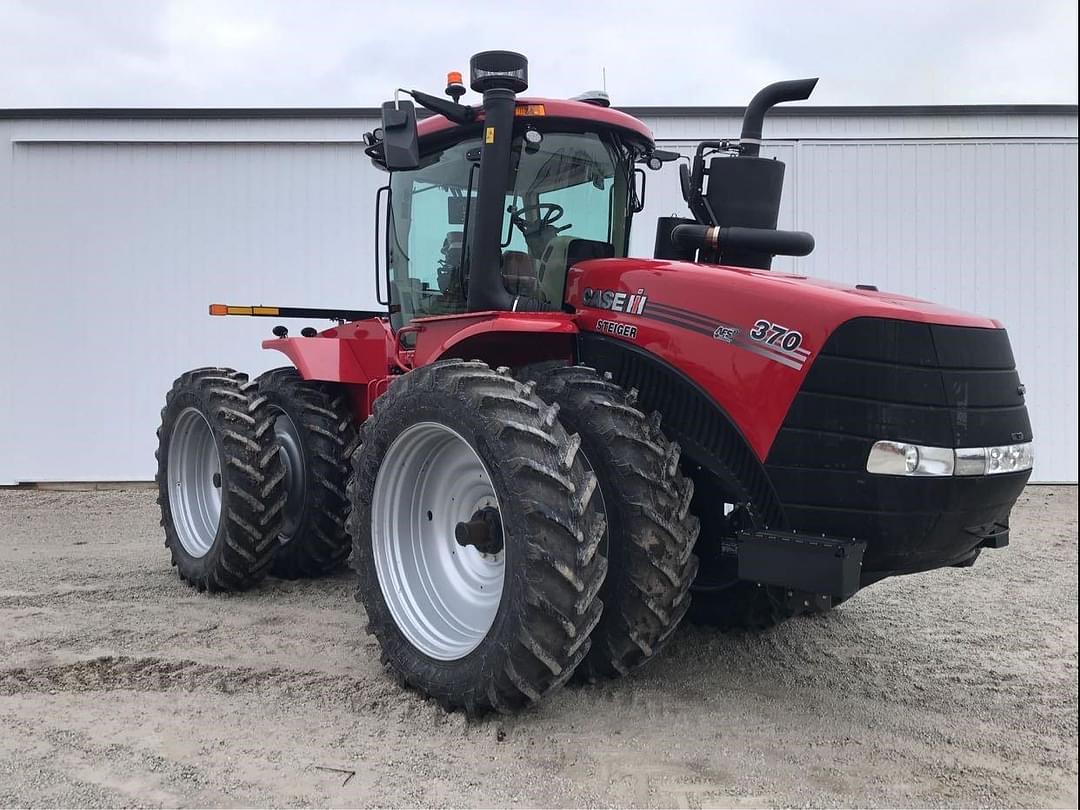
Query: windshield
{"type": "Point", "coordinates": [567, 200]}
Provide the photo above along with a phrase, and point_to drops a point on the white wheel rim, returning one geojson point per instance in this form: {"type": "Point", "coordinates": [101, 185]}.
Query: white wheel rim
{"type": "Point", "coordinates": [442, 596]}
{"type": "Point", "coordinates": [194, 474]}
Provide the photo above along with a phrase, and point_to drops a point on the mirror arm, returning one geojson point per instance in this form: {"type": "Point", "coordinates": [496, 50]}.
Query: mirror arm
{"type": "Point", "coordinates": [458, 113]}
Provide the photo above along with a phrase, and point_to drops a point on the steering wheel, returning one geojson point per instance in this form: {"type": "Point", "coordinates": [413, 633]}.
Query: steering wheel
{"type": "Point", "coordinates": [548, 214]}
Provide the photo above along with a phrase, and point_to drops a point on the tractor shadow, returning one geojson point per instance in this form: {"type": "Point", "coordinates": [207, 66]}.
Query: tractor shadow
{"type": "Point", "coordinates": [857, 651]}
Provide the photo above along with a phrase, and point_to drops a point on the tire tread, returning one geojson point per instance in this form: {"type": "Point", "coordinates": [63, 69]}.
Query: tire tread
{"type": "Point", "coordinates": [652, 563]}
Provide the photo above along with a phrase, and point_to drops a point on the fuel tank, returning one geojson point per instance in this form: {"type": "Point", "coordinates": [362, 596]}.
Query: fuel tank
{"type": "Point", "coordinates": [806, 376]}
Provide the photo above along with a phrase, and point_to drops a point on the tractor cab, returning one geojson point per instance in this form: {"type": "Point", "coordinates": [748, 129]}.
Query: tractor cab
{"type": "Point", "coordinates": [488, 207]}
{"type": "Point", "coordinates": [568, 198]}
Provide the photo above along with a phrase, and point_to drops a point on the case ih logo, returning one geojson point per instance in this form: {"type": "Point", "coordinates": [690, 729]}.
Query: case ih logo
{"type": "Point", "coordinates": [615, 300]}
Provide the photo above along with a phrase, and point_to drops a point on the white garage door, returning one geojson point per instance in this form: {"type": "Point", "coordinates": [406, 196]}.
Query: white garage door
{"type": "Point", "coordinates": [111, 252]}
{"type": "Point", "coordinates": [118, 250]}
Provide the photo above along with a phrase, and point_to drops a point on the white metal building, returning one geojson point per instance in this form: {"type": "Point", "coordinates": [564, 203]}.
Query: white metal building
{"type": "Point", "coordinates": [117, 228]}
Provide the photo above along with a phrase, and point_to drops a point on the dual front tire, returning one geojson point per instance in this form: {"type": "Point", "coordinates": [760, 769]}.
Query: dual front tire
{"type": "Point", "coordinates": [497, 618]}
{"type": "Point", "coordinates": [651, 535]}
{"type": "Point", "coordinates": [582, 484]}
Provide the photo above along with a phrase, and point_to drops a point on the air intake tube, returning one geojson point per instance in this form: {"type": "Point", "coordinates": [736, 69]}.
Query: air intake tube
{"type": "Point", "coordinates": [499, 75]}
{"type": "Point", "coordinates": [768, 241]}
{"type": "Point", "coordinates": [765, 99]}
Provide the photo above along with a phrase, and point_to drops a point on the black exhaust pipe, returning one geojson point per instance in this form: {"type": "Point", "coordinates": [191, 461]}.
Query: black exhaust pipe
{"type": "Point", "coordinates": [765, 99]}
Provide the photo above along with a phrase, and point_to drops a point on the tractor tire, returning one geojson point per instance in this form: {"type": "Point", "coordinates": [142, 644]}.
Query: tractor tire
{"type": "Point", "coordinates": [221, 483]}
{"type": "Point", "coordinates": [500, 621]}
{"type": "Point", "coordinates": [316, 430]}
{"type": "Point", "coordinates": [721, 600]}
{"type": "Point", "coordinates": [650, 536]}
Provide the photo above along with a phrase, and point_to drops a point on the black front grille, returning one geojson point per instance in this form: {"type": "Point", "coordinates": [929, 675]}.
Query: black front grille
{"type": "Point", "coordinates": [927, 384]}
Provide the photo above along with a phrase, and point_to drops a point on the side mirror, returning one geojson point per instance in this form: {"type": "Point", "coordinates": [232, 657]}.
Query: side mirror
{"type": "Point", "coordinates": [637, 202]}
{"type": "Point", "coordinates": [401, 144]}
{"type": "Point", "coordinates": [656, 159]}
{"type": "Point", "coordinates": [684, 181]}
{"type": "Point", "coordinates": [665, 156]}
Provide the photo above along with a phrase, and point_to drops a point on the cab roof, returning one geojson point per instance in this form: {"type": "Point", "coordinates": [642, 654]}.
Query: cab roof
{"type": "Point", "coordinates": [552, 109]}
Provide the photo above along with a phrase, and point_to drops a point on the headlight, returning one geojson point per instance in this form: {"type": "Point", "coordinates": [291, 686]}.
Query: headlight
{"type": "Point", "coordinates": [900, 458]}
{"type": "Point", "coordinates": [897, 458]}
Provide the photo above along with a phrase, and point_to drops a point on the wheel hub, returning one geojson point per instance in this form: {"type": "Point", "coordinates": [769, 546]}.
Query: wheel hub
{"type": "Point", "coordinates": [484, 532]}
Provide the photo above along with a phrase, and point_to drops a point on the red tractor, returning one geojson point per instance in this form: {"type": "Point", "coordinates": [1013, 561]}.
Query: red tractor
{"type": "Point", "coordinates": [543, 453]}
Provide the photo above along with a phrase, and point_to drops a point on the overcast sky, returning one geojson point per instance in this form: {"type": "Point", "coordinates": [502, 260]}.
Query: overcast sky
{"type": "Point", "coordinates": [251, 53]}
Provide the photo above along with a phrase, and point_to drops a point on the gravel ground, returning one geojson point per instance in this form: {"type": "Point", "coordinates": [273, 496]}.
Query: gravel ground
{"type": "Point", "coordinates": [120, 686]}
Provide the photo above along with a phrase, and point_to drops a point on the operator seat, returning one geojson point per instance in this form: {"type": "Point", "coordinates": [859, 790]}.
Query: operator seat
{"type": "Point", "coordinates": [553, 267]}
{"type": "Point", "coordinates": [562, 252]}
{"type": "Point", "coordinates": [450, 261]}
{"type": "Point", "coordinates": [519, 274]}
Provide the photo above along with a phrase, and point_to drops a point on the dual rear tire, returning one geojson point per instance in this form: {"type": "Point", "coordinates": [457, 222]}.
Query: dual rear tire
{"type": "Point", "coordinates": [221, 481]}
{"type": "Point", "coordinates": [251, 477]}
{"type": "Point", "coordinates": [316, 431]}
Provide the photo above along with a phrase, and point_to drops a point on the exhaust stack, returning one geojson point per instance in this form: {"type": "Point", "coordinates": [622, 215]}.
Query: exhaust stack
{"type": "Point", "coordinates": [763, 101]}
{"type": "Point", "coordinates": [741, 201]}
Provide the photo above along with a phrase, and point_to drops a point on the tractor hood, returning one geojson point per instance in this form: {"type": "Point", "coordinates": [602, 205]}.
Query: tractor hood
{"type": "Point", "coordinates": [709, 290]}
{"type": "Point", "coordinates": [748, 338]}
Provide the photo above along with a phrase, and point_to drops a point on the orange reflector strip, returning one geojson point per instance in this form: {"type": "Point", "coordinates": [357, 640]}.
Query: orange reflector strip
{"type": "Point", "coordinates": [530, 109]}
{"type": "Point", "coordinates": [225, 309]}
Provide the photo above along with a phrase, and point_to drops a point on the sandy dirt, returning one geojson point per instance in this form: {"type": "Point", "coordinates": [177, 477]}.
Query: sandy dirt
{"type": "Point", "coordinates": [120, 686]}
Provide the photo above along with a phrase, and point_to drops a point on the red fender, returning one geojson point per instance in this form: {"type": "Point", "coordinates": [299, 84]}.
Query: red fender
{"type": "Point", "coordinates": [356, 352]}
{"type": "Point", "coordinates": [364, 355]}
{"type": "Point", "coordinates": [358, 355]}
{"type": "Point", "coordinates": [500, 338]}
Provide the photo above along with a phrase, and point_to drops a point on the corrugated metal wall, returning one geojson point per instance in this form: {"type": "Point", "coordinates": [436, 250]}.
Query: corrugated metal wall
{"type": "Point", "coordinates": [115, 234]}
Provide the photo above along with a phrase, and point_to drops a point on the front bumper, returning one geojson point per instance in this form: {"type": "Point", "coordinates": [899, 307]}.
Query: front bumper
{"type": "Point", "coordinates": [915, 524]}
{"type": "Point", "coordinates": [906, 382]}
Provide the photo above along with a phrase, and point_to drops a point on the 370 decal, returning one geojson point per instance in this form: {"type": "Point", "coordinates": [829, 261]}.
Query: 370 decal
{"type": "Point", "coordinates": [779, 343]}
{"type": "Point", "coordinates": [773, 334]}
